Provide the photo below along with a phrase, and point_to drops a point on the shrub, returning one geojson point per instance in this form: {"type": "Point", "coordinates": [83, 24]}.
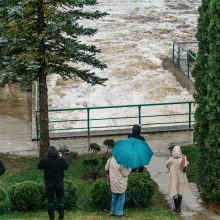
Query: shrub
{"type": "Point", "coordinates": [109, 143]}
{"type": "Point", "coordinates": [2, 195]}
{"type": "Point", "coordinates": [140, 189]}
{"type": "Point", "coordinates": [70, 194]}
{"type": "Point", "coordinates": [95, 147]}
{"type": "Point", "coordinates": [27, 195]}
{"type": "Point", "coordinates": [101, 195]}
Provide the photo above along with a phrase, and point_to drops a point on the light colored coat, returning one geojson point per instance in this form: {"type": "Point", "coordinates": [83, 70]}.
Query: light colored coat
{"type": "Point", "coordinates": [178, 178]}
{"type": "Point", "coordinates": [118, 175]}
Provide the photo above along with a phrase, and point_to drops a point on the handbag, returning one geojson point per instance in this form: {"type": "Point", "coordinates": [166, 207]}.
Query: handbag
{"type": "Point", "coordinates": [183, 164]}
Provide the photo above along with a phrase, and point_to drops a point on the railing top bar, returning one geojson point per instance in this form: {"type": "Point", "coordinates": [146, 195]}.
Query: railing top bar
{"type": "Point", "coordinates": [185, 42]}
{"type": "Point", "coordinates": [119, 106]}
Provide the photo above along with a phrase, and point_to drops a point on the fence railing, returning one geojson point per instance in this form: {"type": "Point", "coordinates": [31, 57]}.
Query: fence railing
{"type": "Point", "coordinates": [122, 116]}
{"type": "Point", "coordinates": [184, 55]}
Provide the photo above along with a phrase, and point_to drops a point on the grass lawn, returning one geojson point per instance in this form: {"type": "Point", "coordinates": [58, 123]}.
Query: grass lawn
{"type": "Point", "coordinates": [22, 168]}
{"type": "Point", "coordinates": [192, 155]}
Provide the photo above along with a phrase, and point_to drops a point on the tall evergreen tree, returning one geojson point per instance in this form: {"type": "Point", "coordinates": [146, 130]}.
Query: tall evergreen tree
{"type": "Point", "coordinates": [207, 75]}
{"type": "Point", "coordinates": [211, 169]}
{"type": "Point", "coordinates": [40, 37]}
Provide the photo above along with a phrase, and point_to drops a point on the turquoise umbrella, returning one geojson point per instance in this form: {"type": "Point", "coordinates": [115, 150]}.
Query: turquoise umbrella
{"type": "Point", "coordinates": [132, 153]}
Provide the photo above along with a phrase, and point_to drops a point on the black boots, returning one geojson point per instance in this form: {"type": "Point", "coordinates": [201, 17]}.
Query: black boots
{"type": "Point", "coordinates": [177, 202]}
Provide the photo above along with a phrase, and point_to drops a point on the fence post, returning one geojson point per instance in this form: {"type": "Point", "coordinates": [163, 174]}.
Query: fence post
{"type": "Point", "coordinates": [37, 125]}
{"type": "Point", "coordinates": [139, 115]}
{"type": "Point", "coordinates": [178, 59]}
{"type": "Point", "coordinates": [88, 122]}
{"type": "Point", "coordinates": [173, 52]}
{"type": "Point", "coordinates": [187, 63]}
{"type": "Point", "coordinates": [190, 115]}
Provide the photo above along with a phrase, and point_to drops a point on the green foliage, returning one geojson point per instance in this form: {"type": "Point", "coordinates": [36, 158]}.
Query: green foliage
{"type": "Point", "coordinates": [101, 195]}
{"type": "Point", "coordinates": [207, 81]}
{"type": "Point", "coordinates": [95, 147]}
{"type": "Point", "coordinates": [2, 194]}
{"type": "Point", "coordinates": [109, 143]}
{"type": "Point", "coordinates": [32, 40]}
{"type": "Point", "coordinates": [39, 38]}
{"type": "Point", "coordinates": [140, 189]}
{"type": "Point", "coordinates": [27, 195]}
{"type": "Point", "coordinates": [70, 194]}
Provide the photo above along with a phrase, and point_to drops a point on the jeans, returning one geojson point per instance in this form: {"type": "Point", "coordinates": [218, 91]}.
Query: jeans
{"type": "Point", "coordinates": [118, 200]}
{"type": "Point", "coordinates": [51, 189]}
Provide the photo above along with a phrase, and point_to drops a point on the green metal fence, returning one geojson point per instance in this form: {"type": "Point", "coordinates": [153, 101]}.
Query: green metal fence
{"type": "Point", "coordinates": [184, 55]}
{"type": "Point", "coordinates": [115, 117]}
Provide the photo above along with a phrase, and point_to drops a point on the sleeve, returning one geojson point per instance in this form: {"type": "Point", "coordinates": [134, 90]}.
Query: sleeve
{"type": "Point", "coordinates": [40, 164]}
{"type": "Point", "coordinates": [65, 164]}
{"type": "Point", "coordinates": [125, 171]}
{"type": "Point", "coordinates": [169, 162]}
{"type": "Point", "coordinates": [107, 165]}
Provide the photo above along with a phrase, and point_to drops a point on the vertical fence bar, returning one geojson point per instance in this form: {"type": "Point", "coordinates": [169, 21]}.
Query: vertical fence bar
{"type": "Point", "coordinates": [178, 59]}
{"type": "Point", "coordinates": [37, 125]}
{"type": "Point", "coordinates": [88, 122]}
{"type": "Point", "coordinates": [139, 114]}
{"type": "Point", "coordinates": [190, 110]}
{"type": "Point", "coordinates": [173, 52]}
{"type": "Point", "coordinates": [188, 58]}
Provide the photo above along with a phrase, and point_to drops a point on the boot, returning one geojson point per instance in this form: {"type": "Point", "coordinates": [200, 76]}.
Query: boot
{"type": "Point", "coordinates": [179, 202]}
{"type": "Point", "coordinates": [61, 211]}
{"type": "Point", "coordinates": [176, 203]}
{"type": "Point", "coordinates": [50, 209]}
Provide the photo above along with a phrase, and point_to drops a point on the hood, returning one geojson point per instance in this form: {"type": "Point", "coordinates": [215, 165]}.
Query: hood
{"type": "Point", "coordinates": [52, 152]}
{"type": "Point", "coordinates": [136, 130]}
{"type": "Point", "coordinates": [176, 152]}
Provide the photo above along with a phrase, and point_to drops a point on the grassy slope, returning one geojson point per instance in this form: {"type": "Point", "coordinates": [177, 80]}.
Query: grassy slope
{"type": "Point", "coordinates": [21, 169]}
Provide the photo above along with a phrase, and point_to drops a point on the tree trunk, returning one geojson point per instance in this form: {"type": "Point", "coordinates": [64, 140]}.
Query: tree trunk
{"type": "Point", "coordinates": [43, 115]}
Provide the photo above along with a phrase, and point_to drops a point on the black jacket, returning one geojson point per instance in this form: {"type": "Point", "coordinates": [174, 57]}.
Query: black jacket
{"type": "Point", "coordinates": [136, 130]}
{"type": "Point", "coordinates": [53, 166]}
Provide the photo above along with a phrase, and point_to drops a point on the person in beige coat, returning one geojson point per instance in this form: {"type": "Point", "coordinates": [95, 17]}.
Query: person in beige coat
{"type": "Point", "coordinates": [177, 164]}
{"type": "Point", "coordinates": [118, 182]}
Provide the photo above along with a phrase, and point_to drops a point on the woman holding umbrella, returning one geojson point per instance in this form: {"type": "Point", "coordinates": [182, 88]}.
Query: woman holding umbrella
{"type": "Point", "coordinates": [118, 182]}
{"type": "Point", "coordinates": [127, 155]}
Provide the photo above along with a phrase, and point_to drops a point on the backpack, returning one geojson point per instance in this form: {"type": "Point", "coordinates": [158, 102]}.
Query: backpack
{"type": "Point", "coordinates": [2, 168]}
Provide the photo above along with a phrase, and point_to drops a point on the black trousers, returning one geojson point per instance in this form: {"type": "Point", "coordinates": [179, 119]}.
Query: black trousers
{"type": "Point", "coordinates": [51, 190]}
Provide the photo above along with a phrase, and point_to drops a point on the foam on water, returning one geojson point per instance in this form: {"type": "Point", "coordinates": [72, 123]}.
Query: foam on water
{"type": "Point", "coordinates": [135, 38]}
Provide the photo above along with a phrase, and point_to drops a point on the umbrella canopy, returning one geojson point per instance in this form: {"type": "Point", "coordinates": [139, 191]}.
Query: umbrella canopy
{"type": "Point", "coordinates": [132, 153]}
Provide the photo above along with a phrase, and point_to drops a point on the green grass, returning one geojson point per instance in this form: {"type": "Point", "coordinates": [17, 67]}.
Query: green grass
{"type": "Point", "coordinates": [22, 168]}
{"type": "Point", "coordinates": [192, 155]}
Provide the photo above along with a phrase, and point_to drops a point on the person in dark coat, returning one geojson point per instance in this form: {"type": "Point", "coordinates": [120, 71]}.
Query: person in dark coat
{"type": "Point", "coordinates": [136, 131]}
{"type": "Point", "coordinates": [54, 165]}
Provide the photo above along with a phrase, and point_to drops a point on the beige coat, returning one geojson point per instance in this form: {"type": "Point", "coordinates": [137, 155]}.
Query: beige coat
{"type": "Point", "coordinates": [178, 178]}
{"type": "Point", "coordinates": [118, 175]}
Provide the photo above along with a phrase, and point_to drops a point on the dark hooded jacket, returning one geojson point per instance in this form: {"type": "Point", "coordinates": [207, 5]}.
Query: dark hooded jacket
{"type": "Point", "coordinates": [136, 130]}
{"type": "Point", "coordinates": [53, 166]}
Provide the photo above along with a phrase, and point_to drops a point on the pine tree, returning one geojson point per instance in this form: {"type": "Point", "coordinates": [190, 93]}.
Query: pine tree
{"type": "Point", "coordinates": [207, 81]}
{"type": "Point", "coordinates": [40, 37]}
{"type": "Point", "coordinates": [211, 154]}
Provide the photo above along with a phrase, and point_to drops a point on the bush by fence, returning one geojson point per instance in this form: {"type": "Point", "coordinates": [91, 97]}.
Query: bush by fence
{"type": "Point", "coordinates": [70, 194]}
